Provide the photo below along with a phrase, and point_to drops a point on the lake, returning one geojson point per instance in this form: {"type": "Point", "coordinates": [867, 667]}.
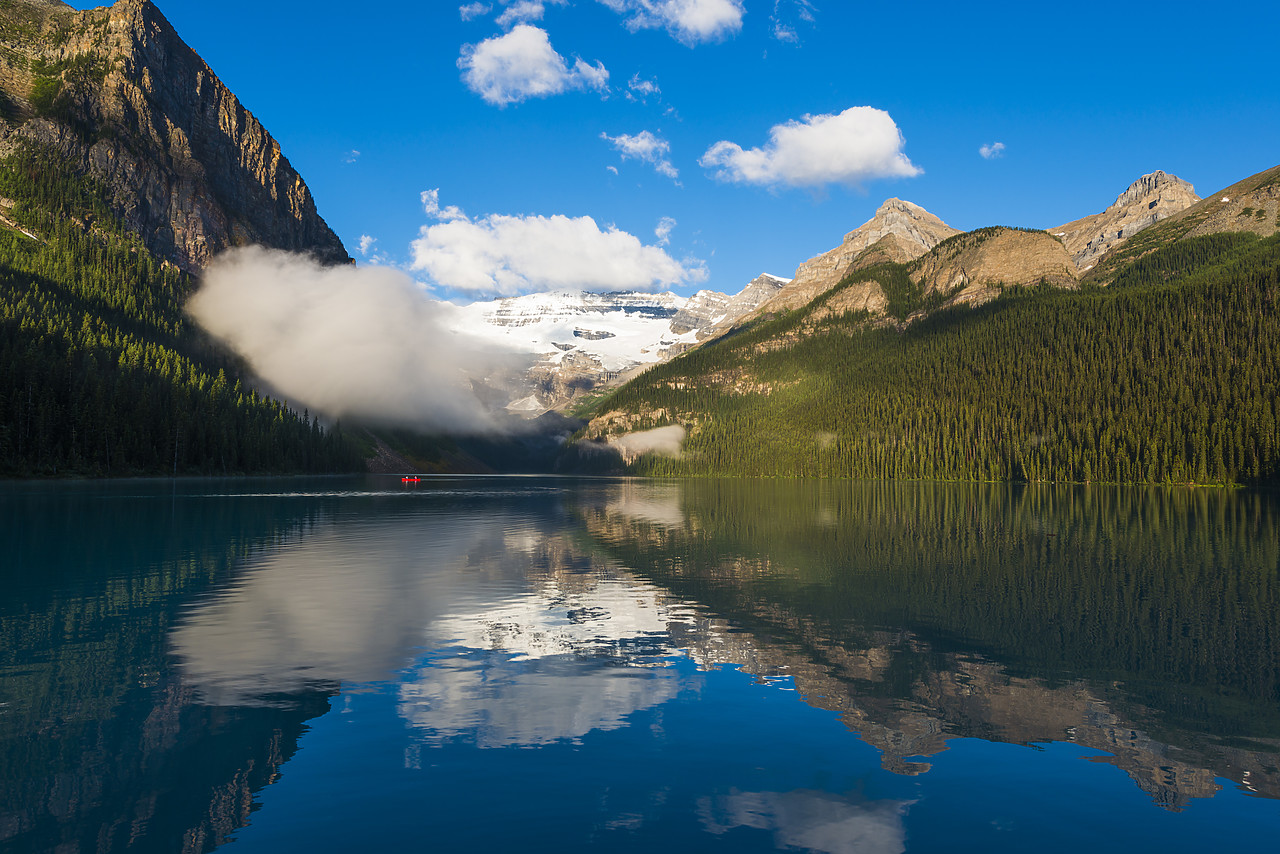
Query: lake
{"type": "Point", "coordinates": [539, 664]}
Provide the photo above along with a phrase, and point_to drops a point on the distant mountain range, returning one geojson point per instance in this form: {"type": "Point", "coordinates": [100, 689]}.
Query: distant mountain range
{"type": "Point", "coordinates": [1138, 344]}
{"type": "Point", "coordinates": [583, 342]}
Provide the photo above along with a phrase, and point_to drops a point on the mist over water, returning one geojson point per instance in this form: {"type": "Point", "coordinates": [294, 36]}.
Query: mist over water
{"type": "Point", "coordinates": [364, 342]}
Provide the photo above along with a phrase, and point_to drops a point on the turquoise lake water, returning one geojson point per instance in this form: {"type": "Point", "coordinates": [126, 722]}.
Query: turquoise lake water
{"type": "Point", "coordinates": [537, 664]}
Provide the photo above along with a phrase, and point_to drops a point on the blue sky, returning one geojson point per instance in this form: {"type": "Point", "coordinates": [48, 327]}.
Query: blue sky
{"type": "Point", "coordinates": [522, 124]}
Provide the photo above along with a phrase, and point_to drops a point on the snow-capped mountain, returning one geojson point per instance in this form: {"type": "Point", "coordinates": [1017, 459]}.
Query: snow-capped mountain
{"type": "Point", "coordinates": [585, 341]}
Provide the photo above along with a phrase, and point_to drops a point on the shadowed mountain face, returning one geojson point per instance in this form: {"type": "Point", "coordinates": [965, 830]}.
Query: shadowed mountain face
{"type": "Point", "coordinates": [124, 99]}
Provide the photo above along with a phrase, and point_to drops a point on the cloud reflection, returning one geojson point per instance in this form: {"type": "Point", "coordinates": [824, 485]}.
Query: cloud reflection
{"type": "Point", "coordinates": [812, 820]}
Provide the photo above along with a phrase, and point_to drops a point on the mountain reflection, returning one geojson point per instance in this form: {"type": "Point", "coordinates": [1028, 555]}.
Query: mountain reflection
{"type": "Point", "coordinates": [1143, 623]}
{"type": "Point", "coordinates": [152, 687]}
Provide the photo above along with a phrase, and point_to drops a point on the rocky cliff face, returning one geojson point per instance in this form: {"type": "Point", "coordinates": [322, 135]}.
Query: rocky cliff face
{"type": "Point", "coordinates": [710, 314]}
{"type": "Point", "coordinates": [1148, 200]}
{"type": "Point", "coordinates": [117, 92]}
{"type": "Point", "coordinates": [899, 232]}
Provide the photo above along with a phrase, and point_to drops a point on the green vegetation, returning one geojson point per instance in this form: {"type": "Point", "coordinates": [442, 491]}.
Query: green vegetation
{"type": "Point", "coordinates": [100, 371]}
{"type": "Point", "coordinates": [1173, 593]}
{"type": "Point", "coordinates": [904, 296]}
{"type": "Point", "coordinates": [1170, 376]}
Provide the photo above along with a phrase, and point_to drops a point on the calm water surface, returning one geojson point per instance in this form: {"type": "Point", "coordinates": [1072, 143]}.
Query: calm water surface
{"type": "Point", "coordinates": [562, 665]}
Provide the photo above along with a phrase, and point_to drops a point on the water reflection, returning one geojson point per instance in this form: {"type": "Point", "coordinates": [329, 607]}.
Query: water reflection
{"type": "Point", "coordinates": [1142, 623]}
{"type": "Point", "coordinates": [153, 686]}
{"type": "Point", "coordinates": [811, 821]}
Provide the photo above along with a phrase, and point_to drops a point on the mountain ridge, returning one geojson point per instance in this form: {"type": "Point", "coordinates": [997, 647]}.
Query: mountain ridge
{"type": "Point", "coordinates": [119, 94]}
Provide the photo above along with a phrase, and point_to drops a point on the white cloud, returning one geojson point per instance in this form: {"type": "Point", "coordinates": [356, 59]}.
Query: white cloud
{"type": "Point", "coordinates": [613, 169]}
{"type": "Point", "coordinates": [663, 232]}
{"type": "Point", "coordinates": [646, 148]}
{"type": "Point", "coordinates": [346, 340]}
{"type": "Point", "coordinates": [522, 64]}
{"type": "Point", "coordinates": [992, 151]}
{"type": "Point", "coordinates": [688, 21]}
{"type": "Point", "coordinates": [523, 11]}
{"type": "Point", "coordinates": [473, 10]}
{"type": "Point", "coordinates": [351, 156]}
{"type": "Point", "coordinates": [431, 204]}
{"type": "Point", "coordinates": [859, 144]}
{"type": "Point", "coordinates": [509, 255]}
{"type": "Point", "coordinates": [639, 89]}
{"type": "Point", "coordinates": [366, 243]}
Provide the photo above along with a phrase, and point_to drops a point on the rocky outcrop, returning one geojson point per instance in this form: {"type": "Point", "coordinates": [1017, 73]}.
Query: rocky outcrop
{"type": "Point", "coordinates": [899, 232]}
{"type": "Point", "coordinates": [188, 167]}
{"type": "Point", "coordinates": [1251, 205]}
{"type": "Point", "coordinates": [1148, 200]}
{"type": "Point", "coordinates": [972, 268]}
{"type": "Point", "coordinates": [711, 314]}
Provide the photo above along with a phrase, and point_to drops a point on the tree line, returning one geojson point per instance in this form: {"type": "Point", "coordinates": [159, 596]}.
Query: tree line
{"type": "Point", "coordinates": [101, 373]}
{"type": "Point", "coordinates": [1170, 375]}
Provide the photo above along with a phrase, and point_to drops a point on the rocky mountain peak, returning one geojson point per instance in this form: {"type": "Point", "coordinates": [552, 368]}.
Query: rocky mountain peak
{"type": "Point", "coordinates": [1153, 197]}
{"type": "Point", "coordinates": [1153, 186]}
{"type": "Point", "coordinates": [188, 167]}
{"type": "Point", "coordinates": [900, 231]}
{"type": "Point", "coordinates": [913, 225]}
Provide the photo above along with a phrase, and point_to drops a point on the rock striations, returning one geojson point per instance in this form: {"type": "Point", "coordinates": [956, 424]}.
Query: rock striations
{"type": "Point", "coordinates": [117, 92]}
{"type": "Point", "coordinates": [1148, 200]}
{"type": "Point", "coordinates": [899, 232]}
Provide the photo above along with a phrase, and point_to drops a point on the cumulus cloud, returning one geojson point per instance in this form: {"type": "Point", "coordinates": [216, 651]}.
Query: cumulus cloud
{"type": "Point", "coordinates": [473, 10]}
{"type": "Point", "coordinates": [859, 144]}
{"type": "Point", "coordinates": [345, 341]}
{"type": "Point", "coordinates": [508, 255]}
{"type": "Point", "coordinates": [688, 21]}
{"type": "Point", "coordinates": [646, 148]}
{"type": "Point", "coordinates": [663, 232]}
{"type": "Point", "coordinates": [992, 151]}
{"type": "Point", "coordinates": [522, 64]}
{"type": "Point", "coordinates": [366, 243]}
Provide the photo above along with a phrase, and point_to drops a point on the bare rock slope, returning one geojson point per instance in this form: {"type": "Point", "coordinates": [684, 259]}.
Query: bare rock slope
{"type": "Point", "coordinates": [1148, 200]}
{"type": "Point", "coordinates": [899, 232]}
{"type": "Point", "coordinates": [973, 267]}
{"type": "Point", "coordinates": [117, 92]}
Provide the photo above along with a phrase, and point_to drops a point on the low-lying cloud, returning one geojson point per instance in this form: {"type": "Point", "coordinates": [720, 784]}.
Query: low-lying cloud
{"type": "Point", "coordinates": [522, 64]}
{"type": "Point", "coordinates": [507, 255]}
{"type": "Point", "coordinates": [346, 341]}
{"type": "Point", "coordinates": [847, 148]}
{"type": "Point", "coordinates": [662, 441]}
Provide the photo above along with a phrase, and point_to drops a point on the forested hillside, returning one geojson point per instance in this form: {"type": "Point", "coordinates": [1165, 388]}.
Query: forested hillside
{"type": "Point", "coordinates": [1171, 374]}
{"type": "Point", "coordinates": [100, 372]}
